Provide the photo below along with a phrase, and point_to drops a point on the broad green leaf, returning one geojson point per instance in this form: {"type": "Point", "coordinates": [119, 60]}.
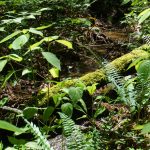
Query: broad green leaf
{"type": "Point", "coordinates": [26, 71]}
{"type": "Point", "coordinates": [43, 9]}
{"type": "Point", "coordinates": [30, 17]}
{"type": "Point", "coordinates": [54, 72]}
{"type": "Point", "coordinates": [46, 39]}
{"type": "Point", "coordinates": [83, 104]}
{"type": "Point", "coordinates": [77, 107]}
{"type": "Point", "coordinates": [44, 27]}
{"type": "Point", "coordinates": [15, 57]}
{"type": "Point", "coordinates": [146, 128]}
{"type": "Point", "coordinates": [3, 101]}
{"type": "Point", "coordinates": [24, 31]}
{"type": "Point", "coordinates": [35, 31]}
{"type": "Point", "coordinates": [51, 38]}
{"type": "Point", "coordinates": [144, 12]}
{"type": "Point", "coordinates": [67, 109]}
{"type": "Point", "coordinates": [29, 112]}
{"type": "Point", "coordinates": [18, 20]}
{"type": "Point", "coordinates": [135, 62]}
{"type": "Point", "coordinates": [75, 93]}
{"type": "Point", "coordinates": [125, 2]}
{"type": "Point", "coordinates": [57, 98]}
{"type": "Point", "coordinates": [33, 146]}
{"type": "Point", "coordinates": [2, 3]}
{"type": "Point", "coordinates": [32, 47]}
{"type": "Point", "coordinates": [144, 17]}
{"type": "Point", "coordinates": [2, 64]}
{"type": "Point", "coordinates": [138, 127]}
{"type": "Point", "coordinates": [7, 77]}
{"type": "Point", "coordinates": [1, 146]}
{"type": "Point", "coordinates": [99, 111]}
{"type": "Point", "coordinates": [16, 141]}
{"type": "Point", "coordinates": [10, 36]}
{"type": "Point", "coordinates": [48, 112]}
{"type": "Point", "coordinates": [8, 126]}
{"type": "Point", "coordinates": [52, 59]}
{"type": "Point", "coordinates": [144, 70]}
{"type": "Point", "coordinates": [10, 148]}
{"type": "Point", "coordinates": [2, 29]}
{"type": "Point", "coordinates": [91, 89]}
{"type": "Point", "coordinates": [66, 43]}
{"type": "Point", "coordinates": [20, 41]}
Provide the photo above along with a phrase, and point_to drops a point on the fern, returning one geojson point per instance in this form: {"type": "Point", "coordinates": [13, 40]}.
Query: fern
{"type": "Point", "coordinates": [143, 82]}
{"type": "Point", "coordinates": [126, 93]}
{"type": "Point", "coordinates": [146, 38]}
{"type": "Point", "coordinates": [41, 140]}
{"type": "Point", "coordinates": [115, 78]}
{"type": "Point", "coordinates": [75, 139]}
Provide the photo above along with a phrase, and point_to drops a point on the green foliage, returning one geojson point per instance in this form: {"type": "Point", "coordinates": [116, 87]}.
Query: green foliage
{"type": "Point", "coordinates": [34, 35]}
{"type": "Point", "coordinates": [8, 126]}
{"type": "Point", "coordinates": [75, 139]}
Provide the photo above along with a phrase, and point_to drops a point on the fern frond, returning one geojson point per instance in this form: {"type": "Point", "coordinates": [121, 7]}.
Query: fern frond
{"type": "Point", "coordinates": [126, 93]}
{"type": "Point", "coordinates": [75, 139]}
{"type": "Point", "coordinates": [115, 78]}
{"type": "Point", "coordinates": [146, 38]}
{"type": "Point", "coordinates": [41, 140]}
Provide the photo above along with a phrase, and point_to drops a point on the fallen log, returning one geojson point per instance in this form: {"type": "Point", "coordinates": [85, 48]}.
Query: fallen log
{"type": "Point", "coordinates": [97, 76]}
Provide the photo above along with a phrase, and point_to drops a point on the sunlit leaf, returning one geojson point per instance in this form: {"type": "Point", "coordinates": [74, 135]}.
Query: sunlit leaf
{"type": "Point", "coordinates": [26, 71]}
{"type": "Point", "coordinates": [66, 43]}
{"type": "Point", "coordinates": [10, 36]}
{"type": "Point", "coordinates": [35, 31]}
{"type": "Point", "coordinates": [144, 15]}
{"type": "Point", "coordinates": [30, 17]}
{"type": "Point", "coordinates": [146, 128]}
{"type": "Point", "coordinates": [20, 41]}
{"type": "Point", "coordinates": [52, 59]}
{"type": "Point", "coordinates": [2, 29]}
{"type": "Point", "coordinates": [91, 89]}
{"type": "Point", "coordinates": [15, 57]}
{"type": "Point", "coordinates": [51, 38]}
{"type": "Point", "coordinates": [138, 127]}
{"type": "Point", "coordinates": [44, 27]}
{"type": "Point", "coordinates": [18, 20]}
{"type": "Point", "coordinates": [32, 47]}
{"type": "Point", "coordinates": [54, 72]}
{"type": "Point", "coordinates": [2, 64]}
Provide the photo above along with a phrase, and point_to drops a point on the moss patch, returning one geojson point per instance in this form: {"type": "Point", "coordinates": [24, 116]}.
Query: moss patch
{"type": "Point", "coordinates": [120, 63]}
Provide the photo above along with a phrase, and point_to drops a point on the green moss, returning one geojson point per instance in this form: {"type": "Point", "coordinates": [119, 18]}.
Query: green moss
{"type": "Point", "coordinates": [120, 63]}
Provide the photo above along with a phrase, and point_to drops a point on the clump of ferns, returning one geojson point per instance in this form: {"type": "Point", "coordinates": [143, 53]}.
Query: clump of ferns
{"type": "Point", "coordinates": [143, 84]}
{"type": "Point", "coordinates": [126, 94]}
{"type": "Point", "coordinates": [75, 139]}
{"type": "Point", "coordinates": [134, 92]}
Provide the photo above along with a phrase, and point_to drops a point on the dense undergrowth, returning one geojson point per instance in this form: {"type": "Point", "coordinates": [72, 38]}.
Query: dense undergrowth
{"type": "Point", "coordinates": [36, 37]}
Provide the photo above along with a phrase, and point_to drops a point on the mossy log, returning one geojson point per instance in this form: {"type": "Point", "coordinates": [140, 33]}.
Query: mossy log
{"type": "Point", "coordinates": [97, 76]}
